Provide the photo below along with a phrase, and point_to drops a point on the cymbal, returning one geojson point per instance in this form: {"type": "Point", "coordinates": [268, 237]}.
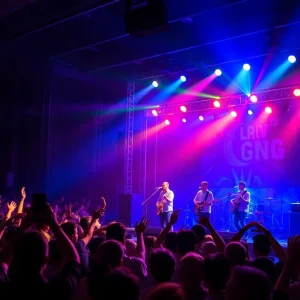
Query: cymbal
{"type": "Point", "coordinates": [270, 198]}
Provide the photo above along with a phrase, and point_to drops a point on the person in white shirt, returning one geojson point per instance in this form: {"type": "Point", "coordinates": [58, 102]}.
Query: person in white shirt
{"type": "Point", "coordinates": [203, 201]}
{"type": "Point", "coordinates": [241, 206]}
{"type": "Point", "coordinates": [166, 198]}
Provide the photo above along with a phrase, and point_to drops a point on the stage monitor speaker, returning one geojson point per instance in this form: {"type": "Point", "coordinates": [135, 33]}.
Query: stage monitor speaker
{"type": "Point", "coordinates": [145, 16]}
{"type": "Point", "coordinates": [294, 223]}
{"type": "Point", "coordinates": [130, 209]}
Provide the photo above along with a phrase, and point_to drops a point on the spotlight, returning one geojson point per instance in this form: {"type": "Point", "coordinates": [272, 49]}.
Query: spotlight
{"type": "Point", "coordinates": [201, 118]}
{"type": "Point", "coordinates": [217, 104]}
{"type": "Point", "coordinates": [155, 84]}
{"type": "Point", "coordinates": [246, 67]}
{"type": "Point", "coordinates": [154, 112]}
{"type": "Point", "coordinates": [233, 114]}
{"type": "Point", "coordinates": [183, 78]}
{"type": "Point", "coordinates": [183, 108]}
{"type": "Point", "coordinates": [218, 72]}
{"type": "Point", "coordinates": [184, 120]}
{"type": "Point", "coordinates": [268, 110]}
{"type": "Point", "coordinates": [292, 59]}
{"type": "Point", "coordinates": [167, 122]}
{"type": "Point", "coordinates": [253, 98]}
{"type": "Point", "coordinates": [250, 112]}
{"type": "Point", "coordinates": [296, 92]}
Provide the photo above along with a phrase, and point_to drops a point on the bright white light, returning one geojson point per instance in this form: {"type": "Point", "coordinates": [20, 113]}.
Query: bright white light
{"type": "Point", "coordinates": [268, 110]}
{"type": "Point", "coordinates": [184, 120]}
{"type": "Point", "coordinates": [155, 84]}
{"type": "Point", "coordinates": [233, 114]}
{"type": "Point", "coordinates": [246, 67]}
{"type": "Point", "coordinates": [154, 112]}
{"type": "Point", "coordinates": [250, 112]}
{"type": "Point", "coordinates": [253, 98]}
{"type": "Point", "coordinates": [183, 78]}
{"type": "Point", "coordinates": [292, 59]}
{"type": "Point", "coordinates": [218, 72]}
{"type": "Point", "coordinates": [167, 122]}
{"type": "Point", "coordinates": [201, 118]}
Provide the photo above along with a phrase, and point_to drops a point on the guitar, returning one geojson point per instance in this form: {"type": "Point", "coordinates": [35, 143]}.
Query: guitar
{"type": "Point", "coordinates": [159, 207]}
{"type": "Point", "coordinates": [199, 206]}
{"type": "Point", "coordinates": [236, 204]}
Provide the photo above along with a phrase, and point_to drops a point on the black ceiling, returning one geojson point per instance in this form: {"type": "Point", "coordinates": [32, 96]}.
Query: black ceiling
{"type": "Point", "coordinates": [92, 37]}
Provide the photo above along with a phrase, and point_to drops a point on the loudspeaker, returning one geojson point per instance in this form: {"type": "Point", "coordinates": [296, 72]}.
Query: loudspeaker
{"type": "Point", "coordinates": [130, 209]}
{"type": "Point", "coordinates": [143, 16]}
{"type": "Point", "coordinates": [294, 223]}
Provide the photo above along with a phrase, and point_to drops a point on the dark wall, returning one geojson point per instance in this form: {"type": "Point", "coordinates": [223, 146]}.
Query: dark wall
{"type": "Point", "coordinates": [23, 124]}
{"type": "Point", "coordinates": [83, 140]}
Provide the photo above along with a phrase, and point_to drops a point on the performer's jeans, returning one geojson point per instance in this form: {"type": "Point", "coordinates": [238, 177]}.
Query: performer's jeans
{"type": "Point", "coordinates": [239, 219]}
{"type": "Point", "coordinates": [165, 218]}
{"type": "Point", "coordinates": [201, 214]}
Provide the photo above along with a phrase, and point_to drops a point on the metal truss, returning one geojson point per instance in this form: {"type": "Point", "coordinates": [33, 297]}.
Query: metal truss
{"type": "Point", "coordinates": [128, 153]}
{"type": "Point", "coordinates": [235, 100]}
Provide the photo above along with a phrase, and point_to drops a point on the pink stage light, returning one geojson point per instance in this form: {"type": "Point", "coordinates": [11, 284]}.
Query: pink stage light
{"type": "Point", "coordinates": [167, 122]}
{"type": "Point", "coordinates": [268, 110]}
{"type": "Point", "coordinates": [233, 114]}
{"type": "Point", "coordinates": [183, 108]}
{"type": "Point", "coordinates": [201, 118]}
{"type": "Point", "coordinates": [217, 104]}
{"type": "Point", "coordinates": [154, 113]}
{"type": "Point", "coordinates": [296, 92]}
{"type": "Point", "coordinates": [184, 120]}
{"type": "Point", "coordinates": [253, 98]}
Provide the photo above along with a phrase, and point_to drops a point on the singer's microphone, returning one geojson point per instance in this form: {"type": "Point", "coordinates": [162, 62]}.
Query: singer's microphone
{"type": "Point", "coordinates": [159, 187]}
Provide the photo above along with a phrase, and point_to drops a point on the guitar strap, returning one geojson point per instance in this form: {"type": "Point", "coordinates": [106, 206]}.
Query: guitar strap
{"type": "Point", "coordinates": [206, 196]}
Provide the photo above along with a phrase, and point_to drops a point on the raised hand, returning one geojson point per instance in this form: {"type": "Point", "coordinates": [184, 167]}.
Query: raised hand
{"type": "Point", "coordinates": [69, 211]}
{"type": "Point", "coordinates": [98, 213]}
{"type": "Point", "coordinates": [142, 226]}
{"type": "Point", "coordinates": [174, 217]}
{"type": "Point", "coordinates": [23, 193]}
{"type": "Point", "coordinates": [294, 249]}
{"type": "Point", "coordinates": [11, 206]}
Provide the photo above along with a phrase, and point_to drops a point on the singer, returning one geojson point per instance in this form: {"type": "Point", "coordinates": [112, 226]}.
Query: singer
{"type": "Point", "coordinates": [203, 201]}
{"type": "Point", "coordinates": [165, 204]}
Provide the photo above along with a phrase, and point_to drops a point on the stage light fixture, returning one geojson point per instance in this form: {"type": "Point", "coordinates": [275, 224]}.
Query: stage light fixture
{"type": "Point", "coordinates": [217, 104]}
{"type": "Point", "coordinates": [201, 118]}
{"type": "Point", "coordinates": [183, 108]}
{"type": "Point", "coordinates": [218, 72]}
{"type": "Point", "coordinates": [246, 67]}
{"type": "Point", "coordinates": [155, 84]}
{"type": "Point", "coordinates": [184, 120]}
{"type": "Point", "coordinates": [250, 112]}
{"type": "Point", "coordinates": [292, 59]}
{"type": "Point", "coordinates": [253, 98]}
{"type": "Point", "coordinates": [154, 113]}
{"type": "Point", "coordinates": [167, 122]}
{"type": "Point", "coordinates": [233, 114]}
{"type": "Point", "coordinates": [296, 92]}
{"type": "Point", "coordinates": [183, 78]}
{"type": "Point", "coordinates": [268, 110]}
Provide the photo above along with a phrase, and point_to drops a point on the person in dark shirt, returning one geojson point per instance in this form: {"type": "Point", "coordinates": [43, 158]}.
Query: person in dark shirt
{"type": "Point", "coordinates": [28, 261]}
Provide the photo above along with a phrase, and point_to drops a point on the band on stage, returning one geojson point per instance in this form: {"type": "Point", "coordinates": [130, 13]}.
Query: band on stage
{"type": "Point", "coordinates": [203, 203]}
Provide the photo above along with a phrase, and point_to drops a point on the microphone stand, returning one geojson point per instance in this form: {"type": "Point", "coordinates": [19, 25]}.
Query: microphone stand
{"type": "Point", "coordinates": [147, 200]}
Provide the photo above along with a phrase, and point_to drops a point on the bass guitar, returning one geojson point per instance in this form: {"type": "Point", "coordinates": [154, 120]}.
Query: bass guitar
{"type": "Point", "coordinates": [199, 207]}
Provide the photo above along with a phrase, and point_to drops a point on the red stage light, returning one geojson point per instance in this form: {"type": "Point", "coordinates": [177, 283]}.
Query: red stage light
{"type": "Point", "coordinates": [217, 104]}
{"type": "Point", "coordinates": [268, 110]}
{"type": "Point", "coordinates": [296, 92]}
{"type": "Point", "coordinates": [253, 98]}
{"type": "Point", "coordinates": [154, 112]}
{"type": "Point", "coordinates": [183, 108]}
{"type": "Point", "coordinates": [167, 122]}
{"type": "Point", "coordinates": [233, 114]}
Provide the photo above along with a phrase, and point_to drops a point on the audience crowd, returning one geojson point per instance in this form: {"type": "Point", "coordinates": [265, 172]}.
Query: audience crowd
{"type": "Point", "coordinates": [64, 252]}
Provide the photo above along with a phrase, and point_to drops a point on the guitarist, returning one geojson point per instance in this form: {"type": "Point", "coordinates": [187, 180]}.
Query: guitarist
{"type": "Point", "coordinates": [165, 204]}
{"type": "Point", "coordinates": [203, 201]}
{"type": "Point", "coordinates": [241, 206]}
